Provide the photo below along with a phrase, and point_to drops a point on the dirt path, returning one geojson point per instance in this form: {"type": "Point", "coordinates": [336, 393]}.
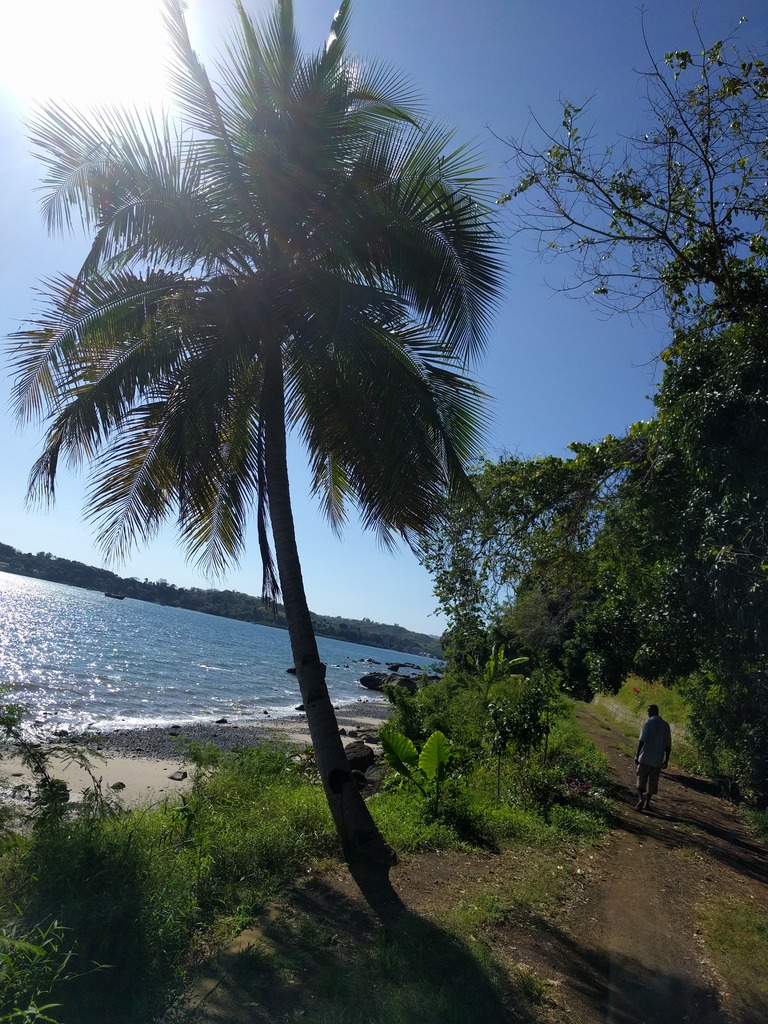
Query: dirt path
{"type": "Point", "coordinates": [628, 951]}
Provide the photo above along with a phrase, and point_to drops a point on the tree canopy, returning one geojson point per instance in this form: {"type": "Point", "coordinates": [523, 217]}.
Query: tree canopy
{"type": "Point", "coordinates": [674, 215]}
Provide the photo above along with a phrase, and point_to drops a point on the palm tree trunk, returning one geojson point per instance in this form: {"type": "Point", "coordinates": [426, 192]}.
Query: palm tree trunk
{"type": "Point", "coordinates": [360, 838]}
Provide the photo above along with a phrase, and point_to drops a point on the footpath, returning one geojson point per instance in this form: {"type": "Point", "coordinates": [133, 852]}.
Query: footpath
{"type": "Point", "coordinates": [629, 951]}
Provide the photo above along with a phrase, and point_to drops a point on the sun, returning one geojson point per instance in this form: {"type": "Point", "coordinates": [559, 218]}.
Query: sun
{"type": "Point", "coordinates": [83, 51]}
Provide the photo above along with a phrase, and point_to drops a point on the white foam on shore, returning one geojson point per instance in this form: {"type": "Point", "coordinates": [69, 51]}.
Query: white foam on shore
{"type": "Point", "coordinates": [84, 725]}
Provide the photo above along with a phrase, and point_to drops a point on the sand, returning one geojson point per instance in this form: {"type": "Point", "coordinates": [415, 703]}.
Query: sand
{"type": "Point", "coordinates": [141, 762]}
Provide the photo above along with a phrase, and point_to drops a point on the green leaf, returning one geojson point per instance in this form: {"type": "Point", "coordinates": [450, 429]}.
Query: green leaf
{"type": "Point", "coordinates": [399, 751]}
{"type": "Point", "coordinates": [435, 755]}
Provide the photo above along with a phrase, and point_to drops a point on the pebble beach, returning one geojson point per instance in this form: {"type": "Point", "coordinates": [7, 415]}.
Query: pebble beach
{"type": "Point", "coordinates": [162, 743]}
{"type": "Point", "coordinates": [150, 765]}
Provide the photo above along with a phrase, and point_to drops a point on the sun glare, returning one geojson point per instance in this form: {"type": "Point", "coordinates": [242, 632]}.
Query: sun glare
{"type": "Point", "coordinates": [83, 51]}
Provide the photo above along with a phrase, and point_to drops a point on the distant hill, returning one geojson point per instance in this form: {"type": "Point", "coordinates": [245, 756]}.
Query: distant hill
{"type": "Point", "coordinates": [228, 603]}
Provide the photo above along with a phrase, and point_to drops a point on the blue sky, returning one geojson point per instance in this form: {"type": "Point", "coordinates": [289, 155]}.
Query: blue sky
{"type": "Point", "coordinates": [556, 370]}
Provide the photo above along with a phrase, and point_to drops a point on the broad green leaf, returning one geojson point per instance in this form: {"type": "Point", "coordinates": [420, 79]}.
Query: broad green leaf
{"type": "Point", "coordinates": [435, 755]}
{"type": "Point", "coordinates": [399, 751]}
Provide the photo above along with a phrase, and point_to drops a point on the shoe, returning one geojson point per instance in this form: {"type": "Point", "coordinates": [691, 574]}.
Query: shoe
{"type": "Point", "coordinates": [639, 806]}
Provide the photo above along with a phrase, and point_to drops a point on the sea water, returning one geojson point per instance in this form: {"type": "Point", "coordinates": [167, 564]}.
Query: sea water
{"type": "Point", "coordinates": [78, 660]}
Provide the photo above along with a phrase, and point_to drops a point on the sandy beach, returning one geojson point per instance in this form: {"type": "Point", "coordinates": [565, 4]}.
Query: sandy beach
{"type": "Point", "coordinates": [141, 763]}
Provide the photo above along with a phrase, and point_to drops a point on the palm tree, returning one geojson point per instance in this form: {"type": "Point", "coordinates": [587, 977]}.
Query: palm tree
{"type": "Point", "coordinates": [299, 253]}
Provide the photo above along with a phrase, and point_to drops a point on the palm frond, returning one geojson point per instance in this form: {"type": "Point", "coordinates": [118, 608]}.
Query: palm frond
{"type": "Point", "coordinates": [387, 418]}
{"type": "Point", "coordinates": [381, 94]}
{"type": "Point", "coordinates": [74, 154]}
{"type": "Point", "coordinates": [200, 105]}
{"type": "Point", "coordinates": [190, 84]}
{"type": "Point", "coordinates": [437, 244]}
{"type": "Point", "coordinates": [82, 330]}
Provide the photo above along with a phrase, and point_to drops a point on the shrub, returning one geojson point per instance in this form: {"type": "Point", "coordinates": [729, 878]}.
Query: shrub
{"type": "Point", "coordinates": [728, 722]}
{"type": "Point", "coordinates": [136, 891]}
{"type": "Point", "coordinates": [33, 961]}
{"type": "Point", "coordinates": [578, 822]}
{"type": "Point", "coordinates": [408, 824]}
{"type": "Point", "coordinates": [451, 705]}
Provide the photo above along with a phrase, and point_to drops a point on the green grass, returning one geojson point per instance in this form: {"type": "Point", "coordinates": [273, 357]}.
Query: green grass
{"type": "Point", "coordinates": [736, 936]}
{"type": "Point", "coordinates": [542, 800]}
{"type": "Point", "coordinates": [539, 883]}
{"type": "Point", "coordinates": [413, 970]}
{"type": "Point", "coordinates": [311, 960]}
{"type": "Point", "coordinates": [759, 822]}
{"type": "Point", "coordinates": [32, 960]}
{"type": "Point", "coordinates": [140, 894]}
{"type": "Point", "coordinates": [636, 694]}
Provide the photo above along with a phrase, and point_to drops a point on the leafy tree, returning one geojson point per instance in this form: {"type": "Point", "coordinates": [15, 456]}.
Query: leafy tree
{"type": "Point", "coordinates": [669, 543]}
{"type": "Point", "coordinates": [679, 562]}
{"type": "Point", "coordinates": [638, 546]}
{"type": "Point", "coordinates": [674, 575]}
{"type": "Point", "coordinates": [729, 723]}
{"type": "Point", "coordinates": [512, 567]}
{"type": "Point", "coordinates": [676, 215]}
{"type": "Point", "coordinates": [302, 252]}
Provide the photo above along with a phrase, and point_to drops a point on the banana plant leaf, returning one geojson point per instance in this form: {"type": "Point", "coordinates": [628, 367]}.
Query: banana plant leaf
{"type": "Point", "coordinates": [399, 751]}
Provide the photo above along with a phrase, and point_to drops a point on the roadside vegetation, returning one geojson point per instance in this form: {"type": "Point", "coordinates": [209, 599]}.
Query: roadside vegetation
{"type": "Point", "coordinates": [627, 709]}
{"type": "Point", "coordinates": [737, 935]}
{"type": "Point", "coordinates": [107, 912]}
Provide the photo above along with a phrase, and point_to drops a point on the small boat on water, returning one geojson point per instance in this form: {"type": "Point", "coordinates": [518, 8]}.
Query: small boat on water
{"type": "Point", "coordinates": [117, 597]}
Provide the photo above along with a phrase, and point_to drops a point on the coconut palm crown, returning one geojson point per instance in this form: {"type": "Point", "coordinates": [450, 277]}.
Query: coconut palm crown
{"type": "Point", "coordinates": [295, 251]}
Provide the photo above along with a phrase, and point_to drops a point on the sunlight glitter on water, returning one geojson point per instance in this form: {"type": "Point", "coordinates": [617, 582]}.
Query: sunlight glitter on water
{"type": "Point", "coordinates": [79, 661]}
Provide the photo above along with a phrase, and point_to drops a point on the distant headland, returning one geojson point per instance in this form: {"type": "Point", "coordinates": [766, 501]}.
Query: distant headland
{"type": "Point", "coordinates": [230, 604]}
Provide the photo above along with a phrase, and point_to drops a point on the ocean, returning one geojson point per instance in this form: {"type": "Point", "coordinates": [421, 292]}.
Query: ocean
{"type": "Point", "coordinates": [78, 660]}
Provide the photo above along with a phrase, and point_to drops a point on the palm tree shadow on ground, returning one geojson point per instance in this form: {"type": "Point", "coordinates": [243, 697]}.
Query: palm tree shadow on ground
{"type": "Point", "coordinates": [319, 950]}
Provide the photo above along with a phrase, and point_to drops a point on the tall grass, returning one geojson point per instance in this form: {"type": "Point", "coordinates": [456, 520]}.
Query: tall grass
{"type": "Point", "coordinates": [142, 893]}
{"type": "Point", "coordinates": [736, 935]}
{"type": "Point", "coordinates": [33, 960]}
{"type": "Point", "coordinates": [629, 707]}
{"type": "Point", "coordinates": [632, 700]}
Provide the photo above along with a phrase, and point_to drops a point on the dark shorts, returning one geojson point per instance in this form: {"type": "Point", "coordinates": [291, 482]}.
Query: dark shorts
{"type": "Point", "coordinates": [648, 779]}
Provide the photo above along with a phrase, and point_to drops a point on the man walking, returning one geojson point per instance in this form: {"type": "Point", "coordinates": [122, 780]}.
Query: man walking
{"type": "Point", "coordinates": [653, 752]}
